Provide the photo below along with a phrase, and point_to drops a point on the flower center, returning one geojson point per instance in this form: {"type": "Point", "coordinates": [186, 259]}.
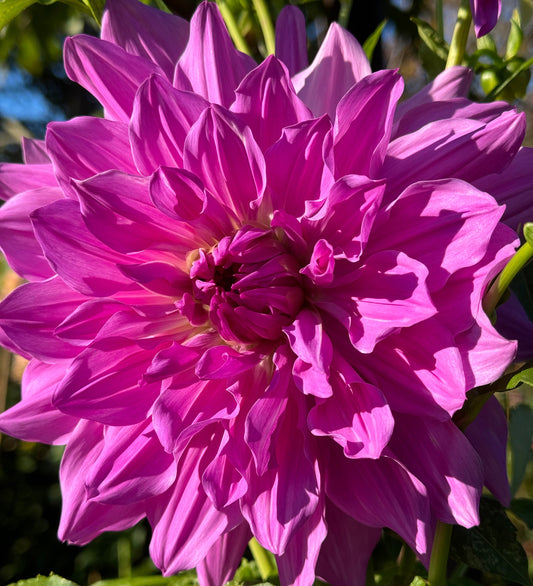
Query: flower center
{"type": "Point", "coordinates": [248, 286]}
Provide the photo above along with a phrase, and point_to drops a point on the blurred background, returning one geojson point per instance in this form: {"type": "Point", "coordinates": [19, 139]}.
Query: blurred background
{"type": "Point", "coordinates": [35, 90]}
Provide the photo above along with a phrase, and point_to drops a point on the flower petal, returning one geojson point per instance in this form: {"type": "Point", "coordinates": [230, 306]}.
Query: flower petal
{"type": "Point", "coordinates": [291, 41]}
{"type": "Point", "coordinates": [210, 65]}
{"type": "Point", "coordinates": [161, 39]}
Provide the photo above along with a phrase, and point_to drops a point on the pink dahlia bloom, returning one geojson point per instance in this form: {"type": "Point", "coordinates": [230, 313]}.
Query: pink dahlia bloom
{"type": "Point", "coordinates": [254, 297]}
{"type": "Point", "coordinates": [485, 14]}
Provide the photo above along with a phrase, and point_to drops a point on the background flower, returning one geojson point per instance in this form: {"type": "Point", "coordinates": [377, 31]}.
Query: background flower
{"type": "Point", "coordinates": [250, 291]}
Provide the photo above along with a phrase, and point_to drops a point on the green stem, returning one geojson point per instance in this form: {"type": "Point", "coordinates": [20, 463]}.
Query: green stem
{"type": "Point", "coordinates": [503, 280]}
{"type": "Point", "coordinates": [266, 25]}
{"type": "Point", "coordinates": [439, 13]}
{"type": "Point", "coordinates": [460, 35]}
{"type": "Point", "coordinates": [263, 559]}
{"type": "Point", "coordinates": [439, 555]}
{"type": "Point", "coordinates": [233, 28]}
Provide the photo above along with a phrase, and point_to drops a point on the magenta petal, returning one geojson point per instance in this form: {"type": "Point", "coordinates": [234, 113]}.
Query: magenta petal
{"type": "Point", "coordinates": [455, 478]}
{"type": "Point", "coordinates": [226, 159]}
{"type": "Point", "coordinates": [18, 242]}
{"type": "Point", "coordinates": [281, 500]}
{"type": "Point", "coordinates": [465, 149]}
{"type": "Point", "coordinates": [390, 497]}
{"type": "Point", "coordinates": [295, 164]}
{"type": "Point", "coordinates": [390, 292]}
{"type": "Point", "coordinates": [162, 37]}
{"type": "Point", "coordinates": [345, 553]}
{"type": "Point", "coordinates": [266, 414]}
{"type": "Point", "coordinates": [223, 362]}
{"type": "Point", "coordinates": [267, 103]}
{"type": "Point", "coordinates": [131, 467]}
{"type": "Point", "coordinates": [297, 564]}
{"type": "Point", "coordinates": [360, 147]}
{"type": "Point", "coordinates": [103, 384]}
{"type": "Point", "coordinates": [185, 523]}
{"type": "Point", "coordinates": [314, 352]}
{"type": "Point", "coordinates": [82, 519]}
{"type": "Point", "coordinates": [488, 434]}
{"type": "Point", "coordinates": [291, 40]}
{"type": "Point", "coordinates": [162, 116]}
{"type": "Point", "coordinates": [357, 417]}
{"type": "Point", "coordinates": [339, 63]}
{"type": "Point", "coordinates": [82, 261]}
{"type": "Point", "coordinates": [116, 208]}
{"type": "Point", "coordinates": [224, 557]}
{"type": "Point", "coordinates": [485, 14]}
{"type": "Point", "coordinates": [513, 187]}
{"type": "Point", "coordinates": [108, 72]}
{"type": "Point", "coordinates": [34, 151]}
{"type": "Point", "coordinates": [35, 419]}
{"type": "Point", "coordinates": [31, 326]}
{"type": "Point", "coordinates": [210, 65]}
{"type": "Point", "coordinates": [178, 193]}
{"type": "Point", "coordinates": [451, 83]}
{"type": "Point", "coordinates": [85, 146]}
{"type": "Point", "coordinates": [15, 178]}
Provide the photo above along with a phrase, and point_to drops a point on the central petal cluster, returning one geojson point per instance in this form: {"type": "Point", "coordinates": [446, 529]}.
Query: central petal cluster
{"type": "Point", "coordinates": [247, 286]}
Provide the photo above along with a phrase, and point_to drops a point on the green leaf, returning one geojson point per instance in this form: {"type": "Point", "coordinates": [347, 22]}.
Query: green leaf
{"type": "Point", "coordinates": [520, 433]}
{"type": "Point", "coordinates": [11, 8]}
{"type": "Point", "coordinates": [516, 36]}
{"type": "Point", "coordinates": [369, 45]}
{"type": "Point", "coordinates": [52, 580]}
{"type": "Point", "coordinates": [509, 80]}
{"type": "Point", "coordinates": [528, 232]}
{"type": "Point", "coordinates": [492, 546]}
{"type": "Point", "coordinates": [524, 376]}
{"type": "Point", "coordinates": [523, 509]}
{"type": "Point", "coordinates": [187, 578]}
{"type": "Point", "coordinates": [418, 581]}
{"type": "Point", "coordinates": [435, 43]}
{"type": "Point", "coordinates": [97, 8]}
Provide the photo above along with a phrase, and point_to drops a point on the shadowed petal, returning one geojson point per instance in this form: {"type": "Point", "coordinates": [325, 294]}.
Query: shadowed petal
{"type": "Point", "coordinates": [291, 41]}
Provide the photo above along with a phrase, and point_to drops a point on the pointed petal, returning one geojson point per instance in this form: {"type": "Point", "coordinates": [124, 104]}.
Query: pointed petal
{"type": "Point", "coordinates": [161, 39]}
{"type": "Point", "coordinates": [346, 550]}
{"type": "Point", "coordinates": [227, 160]}
{"type": "Point", "coordinates": [107, 72]}
{"type": "Point", "coordinates": [297, 564]}
{"type": "Point", "coordinates": [15, 178]}
{"type": "Point", "coordinates": [82, 261]}
{"type": "Point", "coordinates": [488, 434]}
{"type": "Point", "coordinates": [184, 521]}
{"type": "Point", "coordinates": [82, 519]}
{"type": "Point", "coordinates": [19, 245]}
{"type": "Point", "coordinates": [210, 65]}
{"type": "Point", "coordinates": [31, 326]}
{"type": "Point", "coordinates": [359, 146]}
{"type": "Point", "coordinates": [162, 116]}
{"type": "Point", "coordinates": [224, 557]}
{"type": "Point", "coordinates": [83, 147]}
{"type": "Point", "coordinates": [34, 418]}
{"type": "Point", "coordinates": [295, 165]}
{"type": "Point", "coordinates": [34, 151]}
{"type": "Point", "coordinates": [291, 39]}
{"type": "Point", "coordinates": [267, 103]}
{"type": "Point", "coordinates": [132, 466]}
{"type": "Point", "coordinates": [455, 478]}
{"type": "Point", "coordinates": [339, 63]}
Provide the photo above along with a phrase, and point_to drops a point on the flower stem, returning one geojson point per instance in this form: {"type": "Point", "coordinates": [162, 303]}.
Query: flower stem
{"type": "Point", "coordinates": [460, 35]}
{"type": "Point", "coordinates": [263, 559]}
{"type": "Point", "coordinates": [439, 555]}
{"type": "Point", "coordinates": [266, 25]}
{"type": "Point", "coordinates": [233, 28]}
{"type": "Point", "coordinates": [503, 280]}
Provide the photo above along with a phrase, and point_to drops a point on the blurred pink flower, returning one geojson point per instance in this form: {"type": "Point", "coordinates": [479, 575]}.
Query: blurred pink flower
{"type": "Point", "coordinates": [485, 14]}
{"type": "Point", "coordinates": [254, 301]}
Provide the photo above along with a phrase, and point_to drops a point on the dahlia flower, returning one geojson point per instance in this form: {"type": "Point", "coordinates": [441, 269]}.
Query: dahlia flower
{"type": "Point", "coordinates": [254, 297]}
{"type": "Point", "coordinates": [485, 14]}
